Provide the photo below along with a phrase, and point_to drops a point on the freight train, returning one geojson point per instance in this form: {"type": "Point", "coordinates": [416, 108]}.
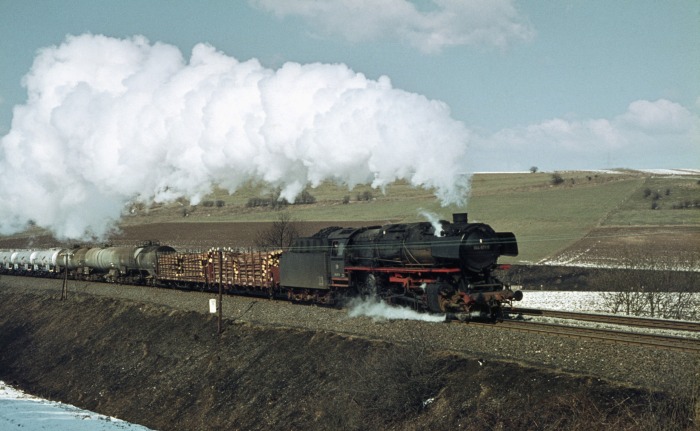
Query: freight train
{"type": "Point", "coordinates": [445, 267]}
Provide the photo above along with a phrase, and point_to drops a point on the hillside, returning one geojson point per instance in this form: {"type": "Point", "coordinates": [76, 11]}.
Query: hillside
{"type": "Point", "coordinates": [583, 218]}
{"type": "Point", "coordinates": [629, 210]}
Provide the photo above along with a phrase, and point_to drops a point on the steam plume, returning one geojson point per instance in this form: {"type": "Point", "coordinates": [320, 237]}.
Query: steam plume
{"type": "Point", "coordinates": [111, 121]}
{"type": "Point", "coordinates": [383, 311]}
{"type": "Point", "coordinates": [434, 220]}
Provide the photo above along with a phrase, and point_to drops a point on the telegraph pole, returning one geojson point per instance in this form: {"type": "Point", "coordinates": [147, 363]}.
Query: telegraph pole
{"type": "Point", "coordinates": [221, 288]}
{"type": "Point", "coordinates": [64, 291]}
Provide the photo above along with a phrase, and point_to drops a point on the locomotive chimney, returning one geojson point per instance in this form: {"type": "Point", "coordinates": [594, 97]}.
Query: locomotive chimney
{"type": "Point", "coordinates": [459, 218]}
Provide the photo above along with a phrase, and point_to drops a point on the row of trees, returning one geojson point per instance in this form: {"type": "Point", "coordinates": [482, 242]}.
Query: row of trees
{"type": "Point", "coordinates": [306, 197]}
{"type": "Point", "coordinates": [557, 179]}
{"type": "Point", "coordinates": [664, 289]}
{"type": "Point", "coordinates": [276, 202]}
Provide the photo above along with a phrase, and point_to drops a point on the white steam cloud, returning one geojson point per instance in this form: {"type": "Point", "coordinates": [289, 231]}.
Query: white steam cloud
{"type": "Point", "coordinates": [434, 220]}
{"type": "Point", "coordinates": [380, 310]}
{"type": "Point", "coordinates": [111, 121]}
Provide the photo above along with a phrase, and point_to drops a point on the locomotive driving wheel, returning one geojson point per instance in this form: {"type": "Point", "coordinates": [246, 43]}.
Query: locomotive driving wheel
{"type": "Point", "coordinates": [368, 287]}
{"type": "Point", "coordinates": [438, 297]}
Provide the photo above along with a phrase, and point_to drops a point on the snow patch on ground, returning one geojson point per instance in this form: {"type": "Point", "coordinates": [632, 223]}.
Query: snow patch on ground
{"type": "Point", "coordinates": [572, 261]}
{"type": "Point", "coordinates": [19, 410]}
{"type": "Point", "coordinates": [584, 302]}
{"type": "Point", "coordinates": [671, 171]}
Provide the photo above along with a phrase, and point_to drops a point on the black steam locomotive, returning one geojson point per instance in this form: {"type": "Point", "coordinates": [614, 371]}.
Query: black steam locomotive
{"type": "Point", "coordinates": [448, 268]}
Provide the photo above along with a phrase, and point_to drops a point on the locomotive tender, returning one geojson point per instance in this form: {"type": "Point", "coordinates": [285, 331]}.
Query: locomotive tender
{"type": "Point", "coordinates": [446, 268]}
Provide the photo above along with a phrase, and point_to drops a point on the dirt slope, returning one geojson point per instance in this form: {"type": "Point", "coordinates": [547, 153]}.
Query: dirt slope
{"type": "Point", "coordinates": [167, 369]}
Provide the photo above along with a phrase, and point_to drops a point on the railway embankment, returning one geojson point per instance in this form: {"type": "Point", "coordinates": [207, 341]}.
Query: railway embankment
{"type": "Point", "coordinates": [154, 357]}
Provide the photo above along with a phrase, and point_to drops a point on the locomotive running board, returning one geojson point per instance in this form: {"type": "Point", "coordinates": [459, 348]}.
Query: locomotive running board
{"type": "Point", "coordinates": [403, 269]}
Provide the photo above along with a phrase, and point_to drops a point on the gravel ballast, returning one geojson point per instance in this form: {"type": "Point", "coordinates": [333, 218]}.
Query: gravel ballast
{"type": "Point", "coordinates": [638, 366]}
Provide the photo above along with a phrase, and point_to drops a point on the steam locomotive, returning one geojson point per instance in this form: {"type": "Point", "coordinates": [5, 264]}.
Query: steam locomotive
{"type": "Point", "coordinates": [444, 267]}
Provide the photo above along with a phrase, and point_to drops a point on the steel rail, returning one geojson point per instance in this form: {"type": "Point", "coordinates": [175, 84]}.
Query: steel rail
{"type": "Point", "coordinates": [642, 322]}
{"type": "Point", "coordinates": [681, 344]}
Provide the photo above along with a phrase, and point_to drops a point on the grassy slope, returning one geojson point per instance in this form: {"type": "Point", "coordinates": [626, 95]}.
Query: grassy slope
{"type": "Point", "coordinates": [545, 218]}
{"type": "Point", "coordinates": [548, 219]}
{"type": "Point", "coordinates": [671, 192]}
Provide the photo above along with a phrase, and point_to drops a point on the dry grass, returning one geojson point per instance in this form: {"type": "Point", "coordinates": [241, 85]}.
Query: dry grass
{"type": "Point", "coordinates": [545, 218]}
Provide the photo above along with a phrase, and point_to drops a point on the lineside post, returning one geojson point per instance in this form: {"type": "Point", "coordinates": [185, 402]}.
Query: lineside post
{"type": "Point", "coordinates": [221, 288]}
{"type": "Point", "coordinates": [64, 290]}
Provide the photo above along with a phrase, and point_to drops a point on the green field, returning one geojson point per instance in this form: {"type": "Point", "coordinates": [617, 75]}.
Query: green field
{"type": "Point", "coordinates": [545, 217]}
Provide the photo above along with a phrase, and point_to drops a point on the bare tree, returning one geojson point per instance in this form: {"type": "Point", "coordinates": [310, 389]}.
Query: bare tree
{"type": "Point", "coordinates": [655, 288]}
{"type": "Point", "coordinates": [557, 179]}
{"type": "Point", "coordinates": [280, 234]}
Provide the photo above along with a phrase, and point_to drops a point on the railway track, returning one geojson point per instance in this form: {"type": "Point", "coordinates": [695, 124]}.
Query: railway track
{"type": "Point", "coordinates": [630, 337]}
{"type": "Point", "coordinates": [640, 322]}
{"type": "Point", "coordinates": [665, 342]}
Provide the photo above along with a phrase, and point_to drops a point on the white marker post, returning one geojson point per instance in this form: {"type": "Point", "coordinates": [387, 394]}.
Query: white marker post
{"type": "Point", "coordinates": [221, 288]}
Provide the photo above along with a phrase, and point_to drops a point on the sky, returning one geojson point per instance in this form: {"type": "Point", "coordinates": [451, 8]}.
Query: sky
{"type": "Point", "coordinates": [155, 100]}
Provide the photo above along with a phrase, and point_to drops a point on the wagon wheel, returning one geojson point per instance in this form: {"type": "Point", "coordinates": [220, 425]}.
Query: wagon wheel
{"type": "Point", "coordinates": [497, 314]}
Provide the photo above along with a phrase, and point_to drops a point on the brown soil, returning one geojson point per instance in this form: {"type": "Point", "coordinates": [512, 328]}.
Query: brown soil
{"type": "Point", "coordinates": [659, 247]}
{"type": "Point", "coordinates": [169, 370]}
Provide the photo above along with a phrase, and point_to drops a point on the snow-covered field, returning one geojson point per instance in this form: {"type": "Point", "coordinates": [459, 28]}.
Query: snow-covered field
{"type": "Point", "coordinates": [25, 412]}
{"type": "Point", "coordinates": [672, 171]}
{"type": "Point", "coordinates": [584, 302]}
{"type": "Point", "coordinates": [590, 259]}
{"type": "Point", "coordinates": [569, 301]}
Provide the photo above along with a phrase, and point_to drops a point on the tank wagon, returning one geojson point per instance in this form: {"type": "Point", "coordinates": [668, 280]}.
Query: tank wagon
{"type": "Point", "coordinates": [34, 262]}
{"type": "Point", "coordinates": [5, 260]}
{"type": "Point", "coordinates": [124, 264]}
{"type": "Point", "coordinates": [110, 264]}
{"type": "Point", "coordinates": [445, 267]}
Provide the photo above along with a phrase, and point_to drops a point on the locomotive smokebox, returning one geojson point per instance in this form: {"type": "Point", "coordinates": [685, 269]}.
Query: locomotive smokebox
{"type": "Point", "coordinates": [459, 218]}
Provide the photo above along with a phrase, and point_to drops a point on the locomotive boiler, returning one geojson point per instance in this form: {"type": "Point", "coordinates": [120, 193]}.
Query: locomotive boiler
{"type": "Point", "coordinates": [447, 267]}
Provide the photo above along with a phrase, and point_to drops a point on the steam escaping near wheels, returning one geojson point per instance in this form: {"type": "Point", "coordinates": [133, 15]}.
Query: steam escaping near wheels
{"type": "Point", "coordinates": [380, 310]}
